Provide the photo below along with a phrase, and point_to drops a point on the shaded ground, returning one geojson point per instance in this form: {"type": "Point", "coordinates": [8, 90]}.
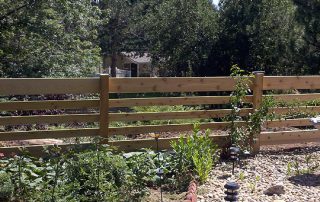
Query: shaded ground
{"type": "Point", "coordinates": [155, 196]}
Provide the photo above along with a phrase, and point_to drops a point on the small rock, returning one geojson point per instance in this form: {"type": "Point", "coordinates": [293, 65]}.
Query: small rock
{"type": "Point", "coordinates": [210, 195]}
{"type": "Point", "coordinates": [278, 201]}
{"type": "Point", "coordinates": [276, 189]}
{"type": "Point", "coordinates": [200, 197]}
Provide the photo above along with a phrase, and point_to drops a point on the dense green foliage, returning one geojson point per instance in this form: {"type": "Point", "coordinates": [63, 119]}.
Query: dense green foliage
{"type": "Point", "coordinates": [181, 32]}
{"type": "Point", "coordinates": [48, 38]}
{"type": "Point", "coordinates": [308, 16]}
{"type": "Point", "coordinates": [99, 173]}
{"type": "Point", "coordinates": [184, 38]}
{"type": "Point", "coordinates": [92, 175]}
{"type": "Point", "coordinates": [257, 35]}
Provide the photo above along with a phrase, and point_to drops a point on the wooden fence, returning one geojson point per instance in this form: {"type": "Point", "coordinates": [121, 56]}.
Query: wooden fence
{"type": "Point", "coordinates": [104, 86]}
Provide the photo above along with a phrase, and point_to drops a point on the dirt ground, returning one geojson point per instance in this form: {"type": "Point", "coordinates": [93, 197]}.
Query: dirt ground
{"type": "Point", "coordinates": [155, 196]}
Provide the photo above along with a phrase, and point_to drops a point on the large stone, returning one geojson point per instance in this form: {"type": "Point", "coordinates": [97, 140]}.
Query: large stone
{"type": "Point", "coordinates": [277, 189]}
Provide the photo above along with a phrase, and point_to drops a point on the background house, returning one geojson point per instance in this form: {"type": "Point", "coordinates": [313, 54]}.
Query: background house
{"type": "Point", "coordinates": [130, 64]}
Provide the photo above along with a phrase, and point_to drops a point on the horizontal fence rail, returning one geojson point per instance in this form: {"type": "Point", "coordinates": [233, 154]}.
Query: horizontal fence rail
{"type": "Point", "coordinates": [104, 110]}
{"type": "Point", "coordinates": [122, 145]}
{"type": "Point", "coordinates": [171, 101]}
{"type": "Point", "coordinates": [291, 82]}
{"type": "Point", "coordinates": [38, 119]}
{"type": "Point", "coordinates": [44, 134]}
{"type": "Point", "coordinates": [171, 84]}
{"type": "Point", "coordinates": [48, 86]}
{"type": "Point", "coordinates": [289, 137]}
{"type": "Point", "coordinates": [52, 104]}
{"type": "Point", "coordinates": [200, 114]}
{"type": "Point", "coordinates": [295, 97]}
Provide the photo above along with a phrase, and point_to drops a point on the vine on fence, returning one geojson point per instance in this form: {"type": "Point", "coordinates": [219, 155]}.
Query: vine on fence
{"type": "Point", "coordinates": [242, 135]}
{"type": "Point", "coordinates": [242, 88]}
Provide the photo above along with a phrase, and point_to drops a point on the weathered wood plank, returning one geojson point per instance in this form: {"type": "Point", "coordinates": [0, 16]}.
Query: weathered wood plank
{"type": "Point", "coordinates": [164, 143]}
{"type": "Point", "coordinates": [291, 82]}
{"type": "Point", "coordinates": [295, 97]}
{"type": "Point", "coordinates": [285, 110]}
{"type": "Point", "coordinates": [175, 115]}
{"type": "Point", "coordinates": [48, 104]}
{"type": "Point", "coordinates": [104, 107]}
{"type": "Point", "coordinates": [31, 86]}
{"type": "Point", "coordinates": [160, 101]}
{"type": "Point", "coordinates": [288, 123]}
{"type": "Point", "coordinates": [171, 84]}
{"type": "Point", "coordinates": [43, 134]}
{"type": "Point", "coordinates": [212, 125]}
{"type": "Point", "coordinates": [123, 145]}
{"type": "Point", "coordinates": [289, 137]}
{"type": "Point", "coordinates": [167, 128]}
{"type": "Point", "coordinates": [257, 90]}
{"type": "Point", "coordinates": [37, 119]}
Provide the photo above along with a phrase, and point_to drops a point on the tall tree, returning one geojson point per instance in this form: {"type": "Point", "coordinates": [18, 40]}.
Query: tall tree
{"type": "Point", "coordinates": [308, 15]}
{"type": "Point", "coordinates": [180, 34]}
{"type": "Point", "coordinates": [258, 35]}
{"type": "Point", "coordinates": [118, 34]}
{"type": "Point", "coordinates": [48, 38]}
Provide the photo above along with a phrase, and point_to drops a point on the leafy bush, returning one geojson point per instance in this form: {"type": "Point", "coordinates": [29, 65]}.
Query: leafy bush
{"type": "Point", "coordinates": [25, 174]}
{"type": "Point", "coordinates": [6, 186]}
{"type": "Point", "coordinates": [92, 175]}
{"type": "Point", "coordinates": [99, 174]}
{"type": "Point", "coordinates": [196, 152]}
{"type": "Point", "coordinates": [243, 136]}
{"type": "Point", "coordinates": [143, 167]}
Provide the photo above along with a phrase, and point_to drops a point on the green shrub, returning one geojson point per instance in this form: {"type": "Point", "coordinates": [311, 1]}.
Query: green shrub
{"type": "Point", "coordinates": [100, 174]}
{"type": "Point", "coordinates": [243, 136]}
{"type": "Point", "coordinates": [196, 153]}
{"type": "Point", "coordinates": [26, 175]}
{"type": "Point", "coordinates": [6, 186]}
{"type": "Point", "coordinates": [92, 175]}
{"type": "Point", "coordinates": [143, 170]}
{"type": "Point", "coordinates": [103, 176]}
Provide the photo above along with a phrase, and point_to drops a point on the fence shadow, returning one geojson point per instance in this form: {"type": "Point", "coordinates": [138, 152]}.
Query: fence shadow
{"type": "Point", "coordinates": [309, 180]}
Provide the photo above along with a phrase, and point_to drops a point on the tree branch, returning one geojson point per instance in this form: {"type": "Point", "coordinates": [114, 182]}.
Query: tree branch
{"type": "Point", "coordinates": [13, 11]}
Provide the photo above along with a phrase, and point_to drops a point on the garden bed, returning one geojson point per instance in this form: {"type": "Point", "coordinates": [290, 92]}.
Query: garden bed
{"type": "Point", "coordinates": [100, 173]}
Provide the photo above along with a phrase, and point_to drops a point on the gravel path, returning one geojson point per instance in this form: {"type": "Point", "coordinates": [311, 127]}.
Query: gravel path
{"type": "Point", "coordinates": [267, 169]}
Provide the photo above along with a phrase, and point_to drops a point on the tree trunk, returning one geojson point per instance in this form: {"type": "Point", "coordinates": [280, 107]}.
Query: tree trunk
{"type": "Point", "coordinates": [113, 64]}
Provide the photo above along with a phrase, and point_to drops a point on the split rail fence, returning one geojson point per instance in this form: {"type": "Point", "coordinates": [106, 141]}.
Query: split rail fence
{"type": "Point", "coordinates": [104, 86]}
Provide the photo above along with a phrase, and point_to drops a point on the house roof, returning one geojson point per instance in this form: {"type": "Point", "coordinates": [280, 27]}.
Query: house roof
{"type": "Point", "coordinates": [137, 58]}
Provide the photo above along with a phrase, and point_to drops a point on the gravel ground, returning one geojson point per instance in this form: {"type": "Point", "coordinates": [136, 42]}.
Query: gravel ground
{"type": "Point", "coordinates": [154, 196]}
{"type": "Point", "coordinates": [265, 170]}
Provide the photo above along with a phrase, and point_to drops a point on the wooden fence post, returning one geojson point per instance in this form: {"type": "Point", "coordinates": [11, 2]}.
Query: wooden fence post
{"type": "Point", "coordinates": [104, 107]}
{"type": "Point", "coordinates": [257, 100]}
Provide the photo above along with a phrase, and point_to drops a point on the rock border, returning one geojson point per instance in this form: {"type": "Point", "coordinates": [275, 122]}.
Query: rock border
{"type": "Point", "coordinates": [192, 192]}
